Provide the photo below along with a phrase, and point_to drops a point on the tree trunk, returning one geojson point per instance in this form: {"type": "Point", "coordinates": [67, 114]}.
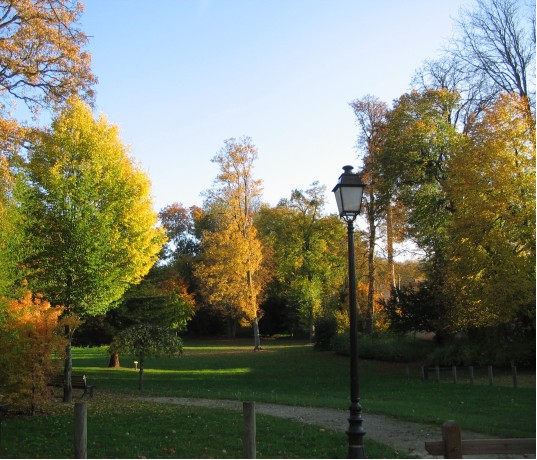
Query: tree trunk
{"type": "Point", "coordinates": [389, 243]}
{"type": "Point", "coordinates": [368, 329]}
{"type": "Point", "coordinates": [311, 327]}
{"type": "Point", "coordinates": [141, 381]}
{"type": "Point", "coordinates": [67, 372]}
{"type": "Point", "coordinates": [114, 360]}
{"type": "Point", "coordinates": [257, 339]}
{"type": "Point", "coordinates": [231, 328]}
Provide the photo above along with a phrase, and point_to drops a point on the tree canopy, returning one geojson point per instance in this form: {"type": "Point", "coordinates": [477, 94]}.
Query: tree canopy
{"type": "Point", "coordinates": [42, 48]}
{"type": "Point", "coordinates": [90, 227]}
{"type": "Point", "coordinates": [307, 256]}
{"type": "Point", "coordinates": [491, 267]}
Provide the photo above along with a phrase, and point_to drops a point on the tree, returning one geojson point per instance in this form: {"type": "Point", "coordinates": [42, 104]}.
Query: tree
{"type": "Point", "coordinates": [419, 141]}
{"type": "Point", "coordinates": [229, 269]}
{"type": "Point", "coordinates": [89, 214]}
{"type": "Point", "coordinates": [183, 243]}
{"type": "Point", "coordinates": [417, 306]}
{"type": "Point", "coordinates": [89, 224]}
{"type": "Point", "coordinates": [43, 62]}
{"type": "Point", "coordinates": [493, 41]}
{"type": "Point", "coordinates": [370, 116]}
{"type": "Point", "coordinates": [492, 52]}
{"type": "Point", "coordinates": [491, 268]}
{"type": "Point", "coordinates": [309, 265]}
{"type": "Point", "coordinates": [29, 340]}
{"type": "Point", "coordinates": [9, 230]}
{"type": "Point", "coordinates": [179, 225]}
{"type": "Point", "coordinates": [145, 340]}
{"type": "Point", "coordinates": [161, 298]}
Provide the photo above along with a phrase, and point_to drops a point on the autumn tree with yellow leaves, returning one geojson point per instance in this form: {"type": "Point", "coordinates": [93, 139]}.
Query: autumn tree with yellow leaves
{"type": "Point", "coordinates": [43, 62]}
{"type": "Point", "coordinates": [230, 266]}
{"type": "Point", "coordinates": [491, 267]}
{"type": "Point", "coordinates": [90, 226]}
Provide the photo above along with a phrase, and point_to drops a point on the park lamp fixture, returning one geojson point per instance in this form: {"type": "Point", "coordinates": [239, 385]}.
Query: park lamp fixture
{"type": "Point", "coordinates": [349, 191]}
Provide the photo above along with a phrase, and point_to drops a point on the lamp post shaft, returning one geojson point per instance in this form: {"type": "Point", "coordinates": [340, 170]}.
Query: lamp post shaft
{"type": "Point", "coordinates": [355, 432]}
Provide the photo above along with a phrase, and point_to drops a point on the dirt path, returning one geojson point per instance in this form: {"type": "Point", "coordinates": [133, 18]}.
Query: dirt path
{"type": "Point", "coordinates": [407, 438]}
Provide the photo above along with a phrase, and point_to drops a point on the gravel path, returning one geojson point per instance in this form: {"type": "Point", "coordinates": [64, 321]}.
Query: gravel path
{"type": "Point", "coordinates": [407, 438]}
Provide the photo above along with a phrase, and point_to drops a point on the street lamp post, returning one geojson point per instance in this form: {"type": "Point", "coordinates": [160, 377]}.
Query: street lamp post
{"type": "Point", "coordinates": [348, 192]}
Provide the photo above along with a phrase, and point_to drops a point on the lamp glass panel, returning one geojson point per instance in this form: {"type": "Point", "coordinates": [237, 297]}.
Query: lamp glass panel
{"type": "Point", "coordinates": [337, 193]}
{"type": "Point", "coordinates": [351, 198]}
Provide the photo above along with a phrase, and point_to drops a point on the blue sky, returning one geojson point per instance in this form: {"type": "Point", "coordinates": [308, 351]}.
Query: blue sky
{"type": "Point", "coordinates": [181, 76]}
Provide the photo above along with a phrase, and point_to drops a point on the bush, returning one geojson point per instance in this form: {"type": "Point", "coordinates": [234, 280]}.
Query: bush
{"type": "Point", "coordinates": [391, 348]}
{"type": "Point", "coordinates": [459, 353]}
{"type": "Point", "coordinates": [325, 331]}
{"type": "Point", "coordinates": [467, 353]}
{"type": "Point", "coordinates": [341, 343]}
{"type": "Point", "coordinates": [455, 352]}
{"type": "Point", "coordinates": [29, 339]}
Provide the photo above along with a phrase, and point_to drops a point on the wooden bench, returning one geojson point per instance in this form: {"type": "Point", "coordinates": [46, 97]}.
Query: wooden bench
{"type": "Point", "coordinates": [77, 381]}
{"type": "Point", "coordinates": [452, 446]}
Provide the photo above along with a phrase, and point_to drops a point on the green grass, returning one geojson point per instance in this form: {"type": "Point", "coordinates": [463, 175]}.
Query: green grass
{"type": "Point", "coordinates": [292, 373]}
{"type": "Point", "coordinates": [285, 372]}
{"type": "Point", "coordinates": [126, 428]}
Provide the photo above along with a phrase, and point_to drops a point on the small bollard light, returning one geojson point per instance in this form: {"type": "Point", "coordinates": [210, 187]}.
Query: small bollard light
{"type": "Point", "coordinates": [135, 365]}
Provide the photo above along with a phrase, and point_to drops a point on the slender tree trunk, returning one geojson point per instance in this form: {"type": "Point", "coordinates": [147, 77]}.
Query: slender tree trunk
{"type": "Point", "coordinates": [33, 407]}
{"type": "Point", "coordinates": [141, 380]}
{"type": "Point", "coordinates": [371, 263]}
{"type": "Point", "coordinates": [311, 327]}
{"type": "Point", "coordinates": [257, 338]}
{"type": "Point", "coordinates": [389, 244]}
{"type": "Point", "coordinates": [67, 372]}
{"type": "Point", "coordinates": [253, 305]}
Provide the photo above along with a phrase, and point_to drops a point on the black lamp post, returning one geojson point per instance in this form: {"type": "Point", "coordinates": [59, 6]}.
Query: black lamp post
{"type": "Point", "coordinates": [349, 191]}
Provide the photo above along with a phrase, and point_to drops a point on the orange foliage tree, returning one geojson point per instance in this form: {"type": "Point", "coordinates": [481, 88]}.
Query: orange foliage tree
{"type": "Point", "coordinates": [29, 341]}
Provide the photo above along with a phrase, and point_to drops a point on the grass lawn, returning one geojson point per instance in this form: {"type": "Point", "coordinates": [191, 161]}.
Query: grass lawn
{"type": "Point", "coordinates": [290, 372]}
{"type": "Point", "coordinates": [285, 372]}
{"type": "Point", "coordinates": [121, 427]}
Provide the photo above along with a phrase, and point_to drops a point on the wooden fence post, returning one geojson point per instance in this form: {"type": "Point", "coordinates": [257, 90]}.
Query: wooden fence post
{"type": "Point", "coordinates": [249, 436]}
{"type": "Point", "coordinates": [471, 369]}
{"type": "Point", "coordinates": [81, 430]}
{"type": "Point", "coordinates": [451, 435]}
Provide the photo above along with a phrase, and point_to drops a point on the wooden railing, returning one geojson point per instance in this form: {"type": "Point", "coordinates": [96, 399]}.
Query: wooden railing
{"type": "Point", "coordinates": [453, 446]}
